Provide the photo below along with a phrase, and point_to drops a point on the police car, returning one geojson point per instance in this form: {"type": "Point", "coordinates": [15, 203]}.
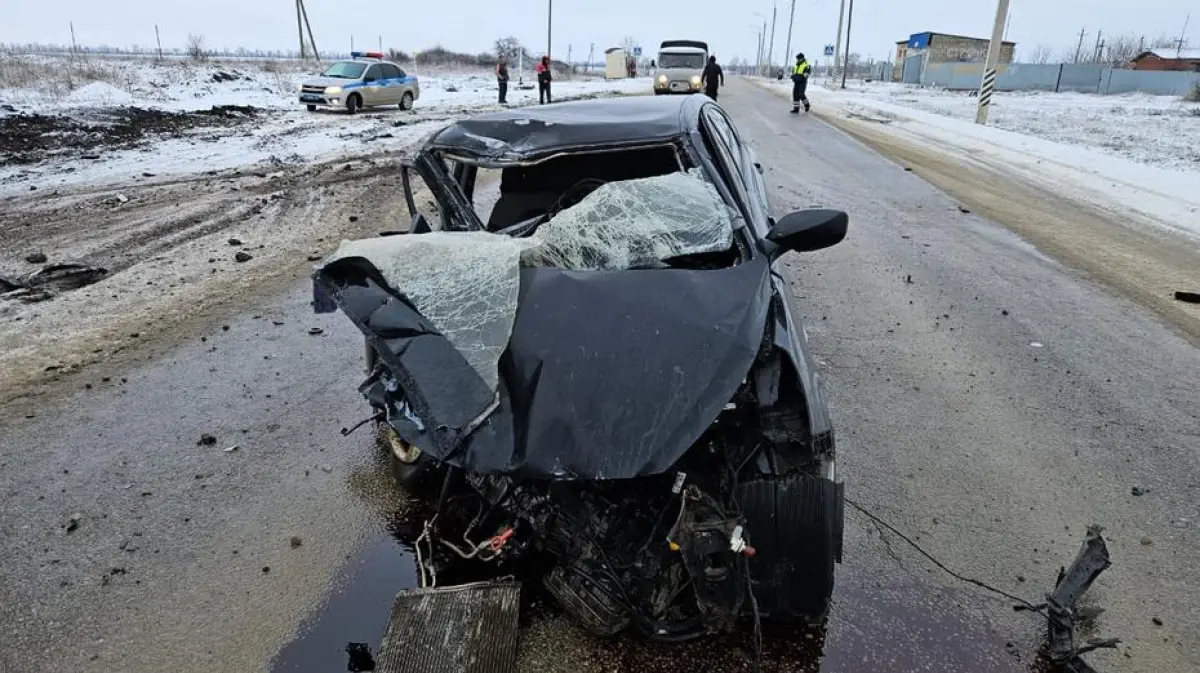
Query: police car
{"type": "Point", "coordinates": [364, 81]}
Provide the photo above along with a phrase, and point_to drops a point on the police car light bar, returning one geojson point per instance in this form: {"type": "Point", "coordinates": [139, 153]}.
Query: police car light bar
{"type": "Point", "coordinates": [366, 54]}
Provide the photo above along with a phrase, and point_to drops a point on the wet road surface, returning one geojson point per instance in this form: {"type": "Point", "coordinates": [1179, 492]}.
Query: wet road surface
{"type": "Point", "coordinates": [990, 438]}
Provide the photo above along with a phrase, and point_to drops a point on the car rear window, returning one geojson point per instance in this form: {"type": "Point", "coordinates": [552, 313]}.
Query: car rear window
{"type": "Point", "coordinates": [391, 72]}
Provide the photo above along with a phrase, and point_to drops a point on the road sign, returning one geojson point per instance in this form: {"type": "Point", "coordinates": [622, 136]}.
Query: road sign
{"type": "Point", "coordinates": [829, 50]}
{"type": "Point", "coordinates": [637, 51]}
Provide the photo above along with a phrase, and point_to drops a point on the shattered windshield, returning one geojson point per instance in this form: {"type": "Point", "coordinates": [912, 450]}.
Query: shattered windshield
{"type": "Point", "coordinates": [467, 283]}
{"type": "Point", "coordinates": [632, 223]}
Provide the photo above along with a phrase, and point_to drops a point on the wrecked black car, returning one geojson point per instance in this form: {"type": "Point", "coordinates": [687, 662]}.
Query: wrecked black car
{"type": "Point", "coordinates": [598, 372]}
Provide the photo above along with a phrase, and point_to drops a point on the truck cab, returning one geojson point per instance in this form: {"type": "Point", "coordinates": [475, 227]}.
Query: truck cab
{"type": "Point", "coordinates": [680, 66]}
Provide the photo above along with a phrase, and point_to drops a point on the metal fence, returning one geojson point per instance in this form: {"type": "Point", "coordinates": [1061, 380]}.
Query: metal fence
{"type": "Point", "coordinates": [1094, 79]}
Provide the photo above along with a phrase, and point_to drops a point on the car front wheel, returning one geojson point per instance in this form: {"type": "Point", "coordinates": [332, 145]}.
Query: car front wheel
{"type": "Point", "coordinates": [353, 103]}
{"type": "Point", "coordinates": [311, 108]}
{"type": "Point", "coordinates": [406, 102]}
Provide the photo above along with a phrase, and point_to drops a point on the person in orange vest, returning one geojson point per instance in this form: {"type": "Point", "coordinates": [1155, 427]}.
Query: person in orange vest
{"type": "Point", "coordinates": [543, 78]}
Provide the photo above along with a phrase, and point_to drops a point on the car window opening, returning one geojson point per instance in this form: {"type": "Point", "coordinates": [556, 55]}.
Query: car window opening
{"type": "Point", "coordinates": [587, 221]}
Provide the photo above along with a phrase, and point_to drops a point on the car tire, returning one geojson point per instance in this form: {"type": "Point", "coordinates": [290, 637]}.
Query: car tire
{"type": "Point", "coordinates": [795, 523]}
{"type": "Point", "coordinates": [353, 103]}
{"type": "Point", "coordinates": [311, 108]}
{"type": "Point", "coordinates": [406, 101]}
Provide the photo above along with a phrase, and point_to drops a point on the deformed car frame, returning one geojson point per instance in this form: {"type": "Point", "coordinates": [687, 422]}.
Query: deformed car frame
{"type": "Point", "coordinates": [652, 418]}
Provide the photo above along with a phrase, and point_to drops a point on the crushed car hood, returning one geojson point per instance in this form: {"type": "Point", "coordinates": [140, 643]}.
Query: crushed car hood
{"type": "Point", "coordinates": [549, 357]}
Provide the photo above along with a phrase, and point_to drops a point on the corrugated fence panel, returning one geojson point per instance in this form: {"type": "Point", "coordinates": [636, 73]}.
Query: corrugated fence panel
{"type": "Point", "coordinates": [1027, 77]}
{"type": "Point", "coordinates": [1081, 78]}
{"type": "Point", "coordinates": [953, 76]}
{"type": "Point", "coordinates": [912, 69]}
{"type": "Point", "coordinates": [1154, 82]}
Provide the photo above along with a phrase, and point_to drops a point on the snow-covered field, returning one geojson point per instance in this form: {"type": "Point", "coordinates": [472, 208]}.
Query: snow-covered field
{"type": "Point", "coordinates": [1134, 153]}
{"type": "Point", "coordinates": [280, 132]}
{"type": "Point", "coordinates": [1160, 131]}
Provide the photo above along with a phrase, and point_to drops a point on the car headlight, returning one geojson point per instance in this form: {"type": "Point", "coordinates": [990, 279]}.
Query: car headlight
{"type": "Point", "coordinates": [299, 88]}
{"type": "Point", "coordinates": [329, 91]}
{"type": "Point", "coordinates": [695, 80]}
{"type": "Point", "coordinates": [662, 79]}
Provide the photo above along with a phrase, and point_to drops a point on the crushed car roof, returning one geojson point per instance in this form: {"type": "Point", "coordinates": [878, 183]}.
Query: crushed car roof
{"type": "Point", "coordinates": [515, 135]}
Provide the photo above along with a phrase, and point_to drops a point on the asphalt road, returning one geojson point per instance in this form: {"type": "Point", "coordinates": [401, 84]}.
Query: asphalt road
{"type": "Point", "coordinates": [990, 409]}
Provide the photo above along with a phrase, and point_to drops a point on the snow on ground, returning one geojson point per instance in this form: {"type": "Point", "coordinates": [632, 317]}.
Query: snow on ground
{"type": "Point", "coordinates": [1134, 153]}
{"type": "Point", "coordinates": [283, 132]}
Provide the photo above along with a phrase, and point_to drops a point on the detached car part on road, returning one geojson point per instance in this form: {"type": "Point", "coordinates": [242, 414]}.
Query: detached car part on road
{"type": "Point", "coordinates": [365, 81]}
{"type": "Point", "coordinates": [603, 383]}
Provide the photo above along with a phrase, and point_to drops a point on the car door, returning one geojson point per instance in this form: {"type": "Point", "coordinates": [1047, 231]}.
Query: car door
{"type": "Point", "coordinates": [392, 87]}
{"type": "Point", "coordinates": [372, 86]}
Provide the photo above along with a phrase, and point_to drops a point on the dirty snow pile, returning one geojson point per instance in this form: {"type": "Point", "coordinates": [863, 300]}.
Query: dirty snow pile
{"type": "Point", "coordinates": [106, 93]}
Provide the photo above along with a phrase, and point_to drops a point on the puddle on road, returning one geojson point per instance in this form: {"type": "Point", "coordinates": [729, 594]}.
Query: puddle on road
{"type": "Point", "coordinates": [892, 629]}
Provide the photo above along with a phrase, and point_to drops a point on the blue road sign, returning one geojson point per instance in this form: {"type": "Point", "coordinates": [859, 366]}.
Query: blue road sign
{"type": "Point", "coordinates": [829, 50]}
{"type": "Point", "coordinates": [637, 51]}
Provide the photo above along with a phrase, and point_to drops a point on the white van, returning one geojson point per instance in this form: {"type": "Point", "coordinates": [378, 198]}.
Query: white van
{"type": "Point", "coordinates": [680, 66]}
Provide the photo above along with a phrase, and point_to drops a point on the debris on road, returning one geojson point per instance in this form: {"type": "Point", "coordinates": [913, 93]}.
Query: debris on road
{"type": "Point", "coordinates": [1138, 490]}
{"type": "Point", "coordinates": [1189, 297]}
{"type": "Point", "coordinates": [354, 218]}
{"type": "Point", "coordinates": [1037, 344]}
{"type": "Point", "coordinates": [360, 658]}
{"type": "Point", "coordinates": [314, 331]}
{"type": "Point", "coordinates": [1073, 583]}
{"type": "Point", "coordinates": [326, 467]}
{"type": "Point", "coordinates": [243, 256]}
{"type": "Point", "coordinates": [36, 257]}
{"type": "Point", "coordinates": [908, 279]}
{"type": "Point", "coordinates": [207, 440]}
{"type": "Point", "coordinates": [73, 523]}
{"type": "Point", "coordinates": [963, 209]}
{"type": "Point", "coordinates": [235, 241]}
{"type": "Point", "coordinates": [230, 449]}
{"type": "Point", "coordinates": [296, 541]}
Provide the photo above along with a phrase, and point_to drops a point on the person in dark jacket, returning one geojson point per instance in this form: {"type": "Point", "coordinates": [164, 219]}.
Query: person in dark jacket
{"type": "Point", "coordinates": [502, 78]}
{"type": "Point", "coordinates": [712, 77]}
{"type": "Point", "coordinates": [800, 73]}
{"type": "Point", "coordinates": [543, 78]}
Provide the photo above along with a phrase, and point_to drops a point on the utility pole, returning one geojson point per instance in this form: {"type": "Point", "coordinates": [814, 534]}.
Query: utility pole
{"type": "Point", "coordinates": [591, 53]}
{"type": "Point", "coordinates": [381, 44]}
{"type": "Point", "coordinates": [1079, 47]}
{"type": "Point", "coordinates": [300, 28]}
{"type": "Point", "coordinates": [771, 49]}
{"type": "Point", "coordinates": [989, 68]}
{"type": "Point", "coordinates": [837, 49]}
{"type": "Point", "coordinates": [1141, 45]}
{"type": "Point", "coordinates": [569, 55]}
{"type": "Point", "coordinates": [74, 47]}
{"type": "Point", "coordinates": [1182, 36]}
{"type": "Point", "coordinates": [787, 50]}
{"type": "Point", "coordinates": [308, 26]}
{"type": "Point", "coordinates": [849, 22]}
{"type": "Point", "coordinates": [158, 39]}
{"type": "Point", "coordinates": [549, 24]}
{"type": "Point", "coordinates": [1096, 50]}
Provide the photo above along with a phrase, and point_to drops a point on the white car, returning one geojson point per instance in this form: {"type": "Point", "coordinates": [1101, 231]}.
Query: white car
{"type": "Point", "coordinates": [365, 81]}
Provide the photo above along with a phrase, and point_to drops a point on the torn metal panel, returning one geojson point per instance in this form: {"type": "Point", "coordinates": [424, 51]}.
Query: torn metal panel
{"type": "Point", "coordinates": [470, 628]}
{"type": "Point", "coordinates": [1073, 583]}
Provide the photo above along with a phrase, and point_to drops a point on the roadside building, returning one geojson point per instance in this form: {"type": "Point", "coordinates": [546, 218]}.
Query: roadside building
{"type": "Point", "coordinates": [1167, 59]}
{"type": "Point", "coordinates": [946, 48]}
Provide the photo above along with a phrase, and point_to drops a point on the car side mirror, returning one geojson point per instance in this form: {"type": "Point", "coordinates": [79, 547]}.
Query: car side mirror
{"type": "Point", "coordinates": [420, 225]}
{"type": "Point", "coordinates": [808, 230]}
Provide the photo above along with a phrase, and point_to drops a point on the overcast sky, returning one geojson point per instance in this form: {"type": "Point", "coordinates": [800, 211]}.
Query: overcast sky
{"type": "Point", "coordinates": [473, 25]}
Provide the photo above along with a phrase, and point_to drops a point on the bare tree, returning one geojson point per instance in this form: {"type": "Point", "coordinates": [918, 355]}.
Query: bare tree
{"type": "Point", "coordinates": [1121, 49]}
{"type": "Point", "coordinates": [1041, 54]}
{"type": "Point", "coordinates": [195, 47]}
{"type": "Point", "coordinates": [512, 48]}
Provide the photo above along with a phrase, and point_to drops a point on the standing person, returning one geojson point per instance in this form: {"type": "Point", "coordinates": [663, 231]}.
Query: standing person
{"type": "Point", "coordinates": [502, 78]}
{"type": "Point", "coordinates": [543, 78]}
{"type": "Point", "coordinates": [713, 75]}
{"type": "Point", "coordinates": [800, 73]}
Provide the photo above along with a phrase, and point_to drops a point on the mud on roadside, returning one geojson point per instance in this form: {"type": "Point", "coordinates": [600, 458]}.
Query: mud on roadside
{"type": "Point", "coordinates": [29, 138]}
{"type": "Point", "coordinates": [179, 255]}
